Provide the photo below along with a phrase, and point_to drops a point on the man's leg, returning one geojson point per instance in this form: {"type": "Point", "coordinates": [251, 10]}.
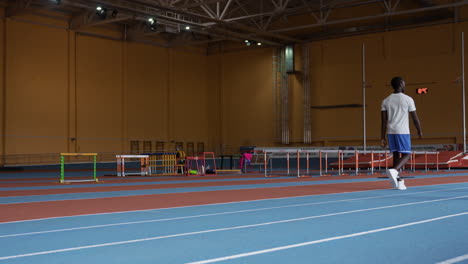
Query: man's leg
{"type": "Point", "coordinates": [396, 158]}
{"type": "Point", "coordinates": [398, 144]}
{"type": "Point", "coordinates": [401, 161]}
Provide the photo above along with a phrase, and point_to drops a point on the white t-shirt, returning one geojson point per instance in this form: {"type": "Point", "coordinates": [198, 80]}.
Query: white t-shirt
{"type": "Point", "coordinates": [398, 105]}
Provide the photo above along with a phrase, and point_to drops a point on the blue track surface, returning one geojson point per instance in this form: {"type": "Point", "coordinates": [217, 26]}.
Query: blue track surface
{"type": "Point", "coordinates": [93, 195]}
{"type": "Point", "coordinates": [421, 225]}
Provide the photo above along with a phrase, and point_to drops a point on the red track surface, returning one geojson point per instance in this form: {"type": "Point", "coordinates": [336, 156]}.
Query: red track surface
{"type": "Point", "coordinates": [79, 189]}
{"type": "Point", "coordinates": [36, 210]}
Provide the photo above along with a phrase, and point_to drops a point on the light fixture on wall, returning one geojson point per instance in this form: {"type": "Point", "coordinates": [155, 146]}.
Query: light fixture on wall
{"type": "Point", "coordinates": [114, 13]}
{"type": "Point", "coordinates": [101, 12]}
{"type": "Point", "coordinates": [187, 27]}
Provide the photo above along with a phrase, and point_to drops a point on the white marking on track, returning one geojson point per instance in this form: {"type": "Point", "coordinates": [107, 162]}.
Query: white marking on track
{"type": "Point", "coordinates": [249, 226]}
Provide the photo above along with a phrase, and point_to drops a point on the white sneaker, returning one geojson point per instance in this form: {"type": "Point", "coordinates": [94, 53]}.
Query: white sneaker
{"type": "Point", "coordinates": [392, 175]}
{"type": "Point", "coordinates": [401, 185]}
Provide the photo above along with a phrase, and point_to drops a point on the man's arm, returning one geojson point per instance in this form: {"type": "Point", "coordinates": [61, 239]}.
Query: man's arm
{"type": "Point", "coordinates": [416, 123]}
{"type": "Point", "coordinates": [383, 131]}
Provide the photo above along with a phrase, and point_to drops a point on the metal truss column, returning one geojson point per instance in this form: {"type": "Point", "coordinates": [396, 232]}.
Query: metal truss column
{"type": "Point", "coordinates": [284, 97]}
{"type": "Point", "coordinates": [307, 137]}
{"type": "Point", "coordinates": [281, 93]}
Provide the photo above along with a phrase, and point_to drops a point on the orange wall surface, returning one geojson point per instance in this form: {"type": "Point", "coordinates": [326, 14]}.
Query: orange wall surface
{"type": "Point", "coordinates": [63, 91]}
{"type": "Point", "coordinates": [35, 100]}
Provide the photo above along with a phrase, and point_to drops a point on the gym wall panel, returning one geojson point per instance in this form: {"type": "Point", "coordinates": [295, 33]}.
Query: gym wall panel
{"type": "Point", "coordinates": [422, 41]}
{"type": "Point", "coordinates": [296, 95]}
{"type": "Point", "coordinates": [336, 79]}
{"type": "Point", "coordinates": [147, 92]}
{"type": "Point", "coordinates": [215, 99]}
{"type": "Point", "coordinates": [424, 57]}
{"type": "Point", "coordinates": [138, 91]}
{"type": "Point", "coordinates": [342, 85]}
{"type": "Point", "coordinates": [189, 108]}
{"type": "Point", "coordinates": [316, 81]}
{"type": "Point", "coordinates": [430, 58]}
{"type": "Point", "coordinates": [36, 89]}
{"type": "Point", "coordinates": [249, 106]}
{"type": "Point", "coordinates": [99, 95]}
{"type": "Point", "coordinates": [377, 82]}
{"type": "Point", "coordinates": [2, 86]}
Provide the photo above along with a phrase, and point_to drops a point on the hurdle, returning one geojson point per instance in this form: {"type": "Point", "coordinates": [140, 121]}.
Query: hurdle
{"type": "Point", "coordinates": [62, 166]}
{"type": "Point", "coordinates": [165, 163]}
{"type": "Point", "coordinates": [198, 165]}
{"type": "Point", "coordinates": [366, 164]}
{"type": "Point", "coordinates": [144, 162]}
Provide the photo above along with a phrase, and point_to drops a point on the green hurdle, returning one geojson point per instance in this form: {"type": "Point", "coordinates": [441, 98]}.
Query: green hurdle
{"type": "Point", "coordinates": [62, 166]}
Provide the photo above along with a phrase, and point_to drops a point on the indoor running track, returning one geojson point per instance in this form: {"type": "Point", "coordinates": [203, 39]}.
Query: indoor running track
{"type": "Point", "coordinates": [424, 224]}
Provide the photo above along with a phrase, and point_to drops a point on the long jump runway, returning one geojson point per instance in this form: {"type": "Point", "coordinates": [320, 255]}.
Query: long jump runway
{"type": "Point", "coordinates": [424, 224]}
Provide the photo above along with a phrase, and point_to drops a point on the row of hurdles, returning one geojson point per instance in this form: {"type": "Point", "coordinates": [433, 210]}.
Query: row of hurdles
{"type": "Point", "coordinates": [169, 163]}
{"type": "Point", "coordinates": [297, 162]}
{"type": "Point", "coordinates": [292, 162]}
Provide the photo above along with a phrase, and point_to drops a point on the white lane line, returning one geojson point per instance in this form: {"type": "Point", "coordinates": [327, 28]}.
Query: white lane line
{"type": "Point", "coordinates": [224, 229]}
{"type": "Point", "coordinates": [236, 202]}
{"type": "Point", "coordinates": [454, 260]}
{"type": "Point", "coordinates": [269, 250]}
{"type": "Point", "coordinates": [214, 214]}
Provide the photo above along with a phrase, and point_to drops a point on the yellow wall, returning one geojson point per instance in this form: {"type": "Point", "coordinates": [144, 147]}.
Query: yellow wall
{"type": "Point", "coordinates": [248, 98]}
{"type": "Point", "coordinates": [59, 85]}
{"type": "Point", "coordinates": [99, 94]}
{"type": "Point", "coordinates": [147, 92]}
{"type": "Point", "coordinates": [36, 89]}
{"type": "Point", "coordinates": [71, 92]}
{"type": "Point", "coordinates": [189, 108]}
{"type": "Point", "coordinates": [425, 57]}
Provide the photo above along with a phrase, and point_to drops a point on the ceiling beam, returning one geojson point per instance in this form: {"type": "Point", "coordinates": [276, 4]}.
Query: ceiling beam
{"type": "Point", "coordinates": [206, 2]}
{"type": "Point", "coordinates": [89, 18]}
{"type": "Point", "coordinates": [18, 7]}
{"type": "Point", "coordinates": [216, 21]}
{"type": "Point", "coordinates": [160, 16]}
{"type": "Point", "coordinates": [386, 14]}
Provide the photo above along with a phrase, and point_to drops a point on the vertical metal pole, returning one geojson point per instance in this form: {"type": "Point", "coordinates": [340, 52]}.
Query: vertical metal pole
{"type": "Point", "coordinates": [298, 164]}
{"type": "Point", "coordinates": [357, 162]}
{"type": "Point", "coordinates": [62, 169]}
{"type": "Point", "coordinates": [123, 167]}
{"type": "Point", "coordinates": [339, 162]}
{"type": "Point", "coordinates": [425, 161]}
{"type": "Point", "coordinates": [463, 88]}
{"type": "Point", "coordinates": [364, 95]}
{"type": "Point", "coordinates": [326, 162]}
{"type": "Point", "coordinates": [320, 160]}
{"type": "Point", "coordinates": [94, 169]}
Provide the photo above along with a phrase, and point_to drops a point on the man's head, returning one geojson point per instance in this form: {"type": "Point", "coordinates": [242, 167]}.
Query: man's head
{"type": "Point", "coordinates": [398, 84]}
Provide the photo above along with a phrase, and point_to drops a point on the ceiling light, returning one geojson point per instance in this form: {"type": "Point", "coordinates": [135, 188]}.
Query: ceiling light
{"type": "Point", "coordinates": [101, 12]}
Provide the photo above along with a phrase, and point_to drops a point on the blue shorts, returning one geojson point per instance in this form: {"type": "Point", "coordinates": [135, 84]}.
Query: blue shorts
{"type": "Point", "coordinates": [399, 143]}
